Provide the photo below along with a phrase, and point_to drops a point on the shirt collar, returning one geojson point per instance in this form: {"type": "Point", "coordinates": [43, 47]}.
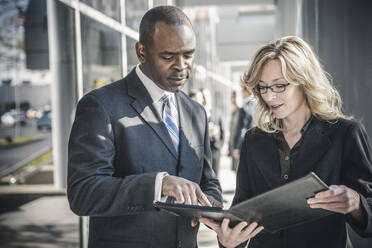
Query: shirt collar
{"type": "Point", "coordinates": [307, 124]}
{"type": "Point", "coordinates": [155, 91]}
{"type": "Point", "coordinates": [304, 128]}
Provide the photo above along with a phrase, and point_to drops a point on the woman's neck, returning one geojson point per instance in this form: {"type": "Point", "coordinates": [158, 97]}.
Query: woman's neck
{"type": "Point", "coordinates": [293, 125]}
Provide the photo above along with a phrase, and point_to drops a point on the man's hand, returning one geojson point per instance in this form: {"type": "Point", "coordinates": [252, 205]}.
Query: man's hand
{"type": "Point", "coordinates": [338, 198]}
{"type": "Point", "coordinates": [232, 237]}
{"type": "Point", "coordinates": [184, 191]}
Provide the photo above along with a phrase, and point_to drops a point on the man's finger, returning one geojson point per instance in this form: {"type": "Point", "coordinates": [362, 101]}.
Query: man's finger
{"type": "Point", "coordinates": [202, 198]}
{"type": "Point", "coordinates": [194, 198]}
{"type": "Point", "coordinates": [186, 196]}
{"type": "Point", "coordinates": [179, 197]}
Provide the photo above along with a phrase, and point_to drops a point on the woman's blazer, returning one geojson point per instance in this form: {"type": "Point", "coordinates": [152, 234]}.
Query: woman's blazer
{"type": "Point", "coordinates": [337, 151]}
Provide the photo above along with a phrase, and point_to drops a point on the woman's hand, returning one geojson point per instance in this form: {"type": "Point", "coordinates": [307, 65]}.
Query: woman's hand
{"type": "Point", "coordinates": [338, 198]}
{"type": "Point", "coordinates": [232, 237]}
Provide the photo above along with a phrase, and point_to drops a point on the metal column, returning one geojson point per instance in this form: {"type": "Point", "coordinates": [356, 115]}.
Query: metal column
{"type": "Point", "coordinates": [59, 122]}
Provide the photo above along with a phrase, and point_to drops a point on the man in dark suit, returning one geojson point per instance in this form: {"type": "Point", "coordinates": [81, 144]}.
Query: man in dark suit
{"type": "Point", "coordinates": [244, 123]}
{"type": "Point", "coordinates": [141, 139]}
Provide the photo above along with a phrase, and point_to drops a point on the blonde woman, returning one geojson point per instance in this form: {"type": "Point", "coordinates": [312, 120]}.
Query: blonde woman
{"type": "Point", "coordinates": [301, 128]}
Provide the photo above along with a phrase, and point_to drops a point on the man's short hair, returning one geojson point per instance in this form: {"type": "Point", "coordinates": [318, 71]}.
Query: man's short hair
{"type": "Point", "coordinates": [170, 15]}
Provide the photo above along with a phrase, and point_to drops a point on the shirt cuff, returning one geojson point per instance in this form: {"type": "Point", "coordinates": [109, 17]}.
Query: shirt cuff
{"type": "Point", "coordinates": [158, 187]}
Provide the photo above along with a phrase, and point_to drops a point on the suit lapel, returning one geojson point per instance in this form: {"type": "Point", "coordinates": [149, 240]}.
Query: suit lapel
{"type": "Point", "coordinates": [314, 145]}
{"type": "Point", "coordinates": [265, 154]}
{"type": "Point", "coordinates": [144, 107]}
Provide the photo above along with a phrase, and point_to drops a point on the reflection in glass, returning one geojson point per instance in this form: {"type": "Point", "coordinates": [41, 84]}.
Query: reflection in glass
{"type": "Point", "coordinates": [134, 10]}
{"type": "Point", "coordinates": [108, 7]}
{"type": "Point", "coordinates": [101, 51]}
{"type": "Point", "coordinates": [160, 2]}
{"type": "Point", "coordinates": [24, 75]}
{"type": "Point", "coordinates": [25, 80]}
{"type": "Point", "coordinates": [131, 53]}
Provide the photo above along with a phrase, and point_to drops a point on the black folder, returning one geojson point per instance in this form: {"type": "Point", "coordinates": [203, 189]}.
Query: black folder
{"type": "Point", "coordinates": [277, 209]}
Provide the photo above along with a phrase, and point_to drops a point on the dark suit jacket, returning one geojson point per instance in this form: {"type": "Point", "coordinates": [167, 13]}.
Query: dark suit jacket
{"type": "Point", "coordinates": [338, 153]}
{"type": "Point", "coordinates": [118, 144]}
{"type": "Point", "coordinates": [245, 122]}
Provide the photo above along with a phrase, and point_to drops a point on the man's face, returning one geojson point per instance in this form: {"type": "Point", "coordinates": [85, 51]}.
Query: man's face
{"type": "Point", "coordinates": [168, 60]}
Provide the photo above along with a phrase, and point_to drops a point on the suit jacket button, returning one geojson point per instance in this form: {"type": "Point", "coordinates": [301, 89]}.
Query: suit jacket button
{"type": "Point", "coordinates": [179, 244]}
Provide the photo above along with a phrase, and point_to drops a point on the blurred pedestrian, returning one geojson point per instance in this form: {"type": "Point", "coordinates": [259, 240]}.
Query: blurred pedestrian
{"type": "Point", "coordinates": [233, 129]}
{"type": "Point", "coordinates": [244, 123]}
{"type": "Point", "coordinates": [196, 95]}
{"type": "Point", "coordinates": [216, 131]}
{"type": "Point", "coordinates": [140, 140]}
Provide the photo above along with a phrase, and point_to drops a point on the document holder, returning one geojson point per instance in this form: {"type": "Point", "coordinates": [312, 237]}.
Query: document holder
{"type": "Point", "coordinates": [277, 209]}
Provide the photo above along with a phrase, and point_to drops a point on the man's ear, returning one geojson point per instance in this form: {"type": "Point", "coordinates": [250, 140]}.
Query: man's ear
{"type": "Point", "coordinates": [141, 52]}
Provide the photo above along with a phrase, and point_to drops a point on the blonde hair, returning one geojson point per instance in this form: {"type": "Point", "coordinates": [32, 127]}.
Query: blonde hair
{"type": "Point", "coordinates": [301, 67]}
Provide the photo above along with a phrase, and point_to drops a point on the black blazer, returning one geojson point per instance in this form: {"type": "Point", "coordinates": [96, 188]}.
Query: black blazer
{"type": "Point", "coordinates": [338, 153]}
{"type": "Point", "coordinates": [118, 144]}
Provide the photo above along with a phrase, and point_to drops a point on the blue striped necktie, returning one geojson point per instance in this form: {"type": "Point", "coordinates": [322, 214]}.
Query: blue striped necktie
{"type": "Point", "coordinates": [170, 117]}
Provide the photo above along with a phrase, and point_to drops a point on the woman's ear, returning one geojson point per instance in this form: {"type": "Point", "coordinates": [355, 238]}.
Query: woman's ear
{"type": "Point", "coordinates": [141, 52]}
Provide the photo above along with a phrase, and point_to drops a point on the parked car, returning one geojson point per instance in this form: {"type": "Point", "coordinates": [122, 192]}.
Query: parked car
{"type": "Point", "coordinates": [11, 118]}
{"type": "Point", "coordinates": [44, 122]}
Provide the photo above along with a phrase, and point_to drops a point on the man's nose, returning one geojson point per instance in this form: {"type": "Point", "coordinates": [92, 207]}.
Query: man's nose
{"type": "Point", "coordinates": [180, 63]}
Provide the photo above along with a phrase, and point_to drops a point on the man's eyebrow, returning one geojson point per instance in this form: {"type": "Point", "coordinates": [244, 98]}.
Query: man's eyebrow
{"type": "Point", "coordinates": [169, 53]}
{"type": "Point", "coordinates": [175, 53]}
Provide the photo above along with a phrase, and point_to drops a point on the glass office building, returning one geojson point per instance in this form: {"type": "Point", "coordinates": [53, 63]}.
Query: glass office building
{"type": "Point", "coordinates": [62, 49]}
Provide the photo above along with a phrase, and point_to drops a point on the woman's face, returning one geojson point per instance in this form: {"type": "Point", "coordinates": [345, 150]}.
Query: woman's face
{"type": "Point", "coordinates": [287, 105]}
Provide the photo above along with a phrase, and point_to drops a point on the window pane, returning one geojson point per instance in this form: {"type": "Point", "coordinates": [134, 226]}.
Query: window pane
{"type": "Point", "coordinates": [25, 81]}
{"type": "Point", "coordinates": [134, 10]}
{"type": "Point", "coordinates": [131, 52]}
{"type": "Point", "coordinates": [108, 7]}
{"type": "Point", "coordinates": [101, 51]}
{"type": "Point", "coordinates": [160, 2]}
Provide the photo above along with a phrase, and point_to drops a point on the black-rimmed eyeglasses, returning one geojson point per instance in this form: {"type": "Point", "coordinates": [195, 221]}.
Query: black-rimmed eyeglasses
{"type": "Point", "coordinates": [277, 88]}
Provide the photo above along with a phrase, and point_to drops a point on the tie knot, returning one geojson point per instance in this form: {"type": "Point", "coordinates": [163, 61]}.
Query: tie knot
{"type": "Point", "coordinates": [166, 99]}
